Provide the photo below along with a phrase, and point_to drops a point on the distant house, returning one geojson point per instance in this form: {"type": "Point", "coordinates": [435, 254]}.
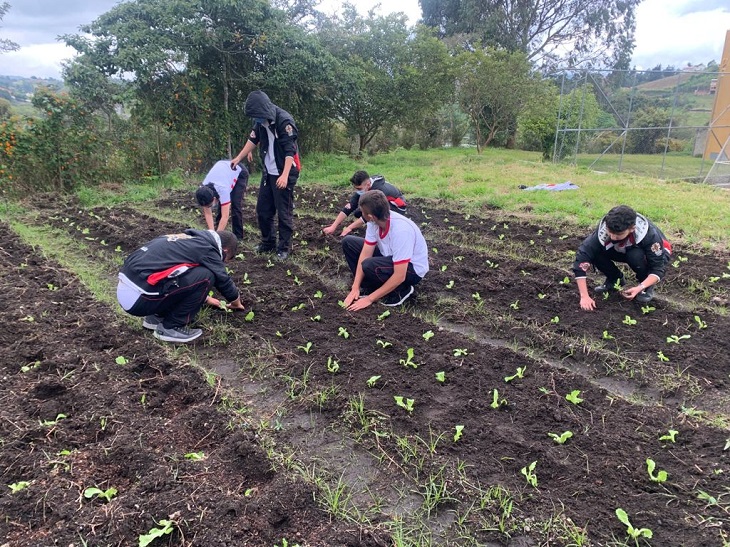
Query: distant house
{"type": "Point", "coordinates": [713, 86]}
{"type": "Point", "coordinates": [694, 68]}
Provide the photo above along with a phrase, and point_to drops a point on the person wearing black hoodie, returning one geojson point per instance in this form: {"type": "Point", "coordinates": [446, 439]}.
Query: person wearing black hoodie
{"type": "Point", "coordinates": [167, 280]}
{"type": "Point", "coordinates": [275, 134]}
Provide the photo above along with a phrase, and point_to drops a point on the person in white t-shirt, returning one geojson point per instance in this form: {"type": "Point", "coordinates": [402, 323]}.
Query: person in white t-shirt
{"type": "Point", "coordinates": [389, 261]}
{"type": "Point", "coordinates": [225, 186]}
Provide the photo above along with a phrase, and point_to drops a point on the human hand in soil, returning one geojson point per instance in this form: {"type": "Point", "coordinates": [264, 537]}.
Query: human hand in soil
{"type": "Point", "coordinates": [213, 302]}
{"type": "Point", "coordinates": [236, 304]}
{"type": "Point", "coordinates": [629, 294]}
{"type": "Point", "coordinates": [360, 303]}
{"type": "Point", "coordinates": [329, 230]}
{"type": "Point", "coordinates": [345, 231]}
{"type": "Point", "coordinates": [353, 295]}
{"type": "Point", "coordinates": [587, 303]}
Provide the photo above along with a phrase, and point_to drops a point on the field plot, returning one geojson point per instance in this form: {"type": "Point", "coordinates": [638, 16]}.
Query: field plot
{"type": "Point", "coordinates": [488, 411]}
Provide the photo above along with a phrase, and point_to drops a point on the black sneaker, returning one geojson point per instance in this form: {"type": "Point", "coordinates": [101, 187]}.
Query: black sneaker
{"type": "Point", "coordinates": [178, 335]}
{"type": "Point", "coordinates": [396, 298]}
{"type": "Point", "coordinates": [645, 296]}
{"type": "Point", "coordinates": [151, 322]}
{"type": "Point", "coordinates": [282, 255]}
{"type": "Point", "coordinates": [261, 248]}
{"type": "Point", "coordinates": [609, 286]}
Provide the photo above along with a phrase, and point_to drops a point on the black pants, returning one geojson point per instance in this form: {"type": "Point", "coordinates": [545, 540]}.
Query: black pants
{"type": "Point", "coordinates": [274, 201]}
{"type": "Point", "coordinates": [376, 269]}
{"type": "Point", "coordinates": [634, 257]}
{"type": "Point", "coordinates": [181, 298]}
{"type": "Point", "coordinates": [237, 194]}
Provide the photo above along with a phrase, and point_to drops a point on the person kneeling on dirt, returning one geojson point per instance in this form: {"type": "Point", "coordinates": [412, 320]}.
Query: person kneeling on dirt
{"type": "Point", "coordinates": [226, 187]}
{"type": "Point", "coordinates": [389, 261]}
{"type": "Point", "coordinates": [168, 279]}
{"type": "Point", "coordinates": [622, 236]}
{"type": "Point", "coordinates": [362, 183]}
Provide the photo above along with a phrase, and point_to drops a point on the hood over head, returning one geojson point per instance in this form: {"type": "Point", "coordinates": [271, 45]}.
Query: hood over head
{"type": "Point", "coordinates": [258, 105]}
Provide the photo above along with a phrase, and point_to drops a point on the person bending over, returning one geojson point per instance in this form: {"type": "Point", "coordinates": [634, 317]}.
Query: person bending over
{"type": "Point", "coordinates": [226, 188]}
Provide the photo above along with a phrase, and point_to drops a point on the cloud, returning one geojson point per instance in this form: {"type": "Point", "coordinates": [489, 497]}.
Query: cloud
{"type": "Point", "coordinates": [40, 60]}
{"type": "Point", "coordinates": [699, 6]}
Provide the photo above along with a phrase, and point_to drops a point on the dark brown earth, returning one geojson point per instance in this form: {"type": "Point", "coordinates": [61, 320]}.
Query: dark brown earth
{"type": "Point", "coordinates": [297, 452]}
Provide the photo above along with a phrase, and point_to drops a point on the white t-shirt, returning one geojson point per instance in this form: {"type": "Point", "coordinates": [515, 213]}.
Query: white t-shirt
{"type": "Point", "coordinates": [223, 178]}
{"type": "Point", "coordinates": [401, 240]}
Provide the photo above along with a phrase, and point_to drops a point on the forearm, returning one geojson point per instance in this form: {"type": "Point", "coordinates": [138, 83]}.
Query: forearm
{"type": "Point", "coordinates": [582, 287]}
{"type": "Point", "coordinates": [288, 162]}
{"type": "Point", "coordinates": [225, 214]}
{"type": "Point", "coordinates": [208, 215]}
{"type": "Point", "coordinates": [245, 151]}
{"type": "Point", "coordinates": [340, 217]}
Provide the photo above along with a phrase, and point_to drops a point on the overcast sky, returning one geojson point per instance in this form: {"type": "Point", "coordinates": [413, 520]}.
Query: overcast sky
{"type": "Point", "coordinates": [670, 32]}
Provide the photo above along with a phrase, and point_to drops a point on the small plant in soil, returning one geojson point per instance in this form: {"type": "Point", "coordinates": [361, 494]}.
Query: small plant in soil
{"type": "Point", "coordinates": [246, 280]}
{"type": "Point", "coordinates": [496, 401]}
{"type": "Point", "coordinates": [663, 358]}
{"type": "Point", "coordinates": [529, 473]}
{"type": "Point", "coordinates": [428, 335]}
{"type": "Point", "coordinates": [565, 281]}
{"type": "Point", "coordinates": [107, 494]}
{"type": "Point", "coordinates": [562, 438]}
{"type": "Point", "coordinates": [383, 315]}
{"type": "Point", "coordinates": [647, 309]}
{"type": "Point", "coordinates": [628, 320]}
{"type": "Point", "coordinates": [461, 352]}
{"type": "Point", "coordinates": [195, 456]}
{"type": "Point", "coordinates": [607, 336]}
{"type": "Point", "coordinates": [372, 380]}
{"type": "Point", "coordinates": [476, 296]}
{"type": "Point", "coordinates": [407, 404]}
{"type": "Point", "coordinates": [298, 307]}
{"type": "Point", "coordinates": [671, 436]}
{"type": "Point", "coordinates": [306, 348]}
{"type": "Point", "coordinates": [30, 366]}
{"type": "Point", "coordinates": [492, 265]}
{"type": "Point", "coordinates": [51, 287]}
{"type": "Point", "coordinates": [700, 323]}
{"type": "Point", "coordinates": [555, 320]}
{"type": "Point", "coordinates": [441, 376]}
{"type": "Point", "coordinates": [52, 423]}
{"type": "Point", "coordinates": [316, 318]}
{"type": "Point", "coordinates": [519, 373]}
{"type": "Point", "coordinates": [444, 268]}
{"type": "Point", "coordinates": [515, 305]}
{"type": "Point", "coordinates": [633, 533]}
{"type": "Point", "coordinates": [674, 339]}
{"type": "Point", "coordinates": [541, 296]}
{"type": "Point", "coordinates": [573, 397]}
{"type": "Point", "coordinates": [318, 294]}
{"type": "Point", "coordinates": [459, 430]}
{"type": "Point", "coordinates": [164, 527]}
{"type": "Point", "coordinates": [383, 344]}
{"type": "Point", "coordinates": [16, 487]}
{"type": "Point", "coordinates": [332, 365]}
{"type": "Point", "coordinates": [660, 476]}
{"type": "Point", "coordinates": [408, 361]}
{"type": "Point", "coordinates": [249, 316]}
{"type": "Point", "coordinates": [342, 331]}
{"type": "Point", "coordinates": [450, 284]}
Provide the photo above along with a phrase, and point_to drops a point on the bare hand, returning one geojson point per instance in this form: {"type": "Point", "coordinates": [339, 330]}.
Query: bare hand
{"type": "Point", "coordinates": [630, 294]}
{"type": "Point", "coordinates": [353, 295]}
{"type": "Point", "coordinates": [587, 304]}
{"type": "Point", "coordinates": [345, 232]}
{"type": "Point", "coordinates": [329, 230]}
{"type": "Point", "coordinates": [236, 305]}
{"type": "Point", "coordinates": [360, 304]}
{"type": "Point", "coordinates": [281, 182]}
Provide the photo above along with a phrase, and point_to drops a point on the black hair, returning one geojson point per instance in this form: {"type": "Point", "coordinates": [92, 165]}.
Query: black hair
{"type": "Point", "coordinates": [205, 195]}
{"type": "Point", "coordinates": [620, 218]}
{"type": "Point", "coordinates": [375, 203]}
{"type": "Point", "coordinates": [229, 242]}
{"type": "Point", "coordinates": [359, 177]}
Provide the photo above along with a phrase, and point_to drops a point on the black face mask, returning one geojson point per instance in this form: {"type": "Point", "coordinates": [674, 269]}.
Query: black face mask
{"type": "Point", "coordinates": [620, 241]}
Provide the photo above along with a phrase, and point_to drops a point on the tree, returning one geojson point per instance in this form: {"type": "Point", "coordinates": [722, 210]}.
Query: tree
{"type": "Point", "coordinates": [5, 44]}
{"type": "Point", "coordinates": [597, 32]}
{"type": "Point", "coordinates": [493, 87]}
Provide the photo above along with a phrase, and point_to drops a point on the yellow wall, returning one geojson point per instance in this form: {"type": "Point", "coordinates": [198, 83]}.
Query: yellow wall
{"type": "Point", "coordinates": [721, 111]}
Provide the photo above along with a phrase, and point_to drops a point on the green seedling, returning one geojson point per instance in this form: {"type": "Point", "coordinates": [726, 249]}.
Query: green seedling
{"type": "Point", "coordinates": [634, 533]}
{"type": "Point", "coordinates": [195, 456]}
{"type": "Point", "coordinates": [606, 296]}
{"type": "Point", "coordinates": [476, 296]}
{"type": "Point", "coordinates": [628, 321]}
{"type": "Point", "coordinates": [434, 250]}
{"type": "Point", "coordinates": [700, 323]}
{"type": "Point", "coordinates": [459, 429]}
{"type": "Point", "coordinates": [53, 423]}
{"type": "Point", "coordinates": [428, 335]}
{"type": "Point", "coordinates": [225, 307]}
{"type": "Point", "coordinates": [383, 315]}
{"type": "Point", "coordinates": [372, 380]}
{"type": "Point", "coordinates": [279, 334]}
{"type": "Point", "coordinates": [246, 280]}
{"type": "Point", "coordinates": [674, 339]}
{"type": "Point", "coordinates": [555, 320]}
{"type": "Point", "coordinates": [671, 436]}
{"type": "Point", "coordinates": [444, 268]}
{"type": "Point", "coordinates": [714, 279]}
{"type": "Point", "coordinates": [165, 527]}
{"type": "Point", "coordinates": [607, 336]}
{"type": "Point", "coordinates": [269, 263]}
{"type": "Point", "coordinates": [249, 317]}
{"type": "Point", "coordinates": [541, 296]}
{"type": "Point", "coordinates": [18, 486]}
{"type": "Point", "coordinates": [342, 331]}
{"type": "Point", "coordinates": [704, 496]}
{"type": "Point", "coordinates": [461, 352]}
{"type": "Point", "coordinates": [51, 287]}
{"type": "Point", "coordinates": [520, 373]}
{"type": "Point", "coordinates": [663, 358]}
{"type": "Point", "coordinates": [492, 265]}
{"type": "Point", "coordinates": [408, 361]}
{"type": "Point", "coordinates": [661, 475]}
{"type": "Point", "coordinates": [496, 401]}
{"type": "Point", "coordinates": [441, 376]}
{"type": "Point", "coordinates": [30, 366]}
{"type": "Point", "coordinates": [107, 494]}
{"type": "Point", "coordinates": [406, 404]}
{"type": "Point", "coordinates": [573, 397]}
{"type": "Point", "coordinates": [332, 365]}
{"type": "Point", "coordinates": [318, 294]}
{"type": "Point", "coordinates": [296, 280]}
{"type": "Point", "coordinates": [316, 318]}
{"type": "Point", "coordinates": [727, 444]}
{"type": "Point", "coordinates": [450, 284]}
{"type": "Point", "coordinates": [306, 348]}
{"type": "Point", "coordinates": [299, 307]}
{"type": "Point", "coordinates": [529, 472]}
{"type": "Point", "coordinates": [117, 249]}
{"type": "Point", "coordinates": [27, 318]}
{"type": "Point", "coordinates": [565, 281]}
{"type": "Point", "coordinates": [383, 344]}
{"type": "Point", "coordinates": [562, 438]}
{"type": "Point", "coordinates": [647, 309]}
{"type": "Point", "coordinates": [515, 305]}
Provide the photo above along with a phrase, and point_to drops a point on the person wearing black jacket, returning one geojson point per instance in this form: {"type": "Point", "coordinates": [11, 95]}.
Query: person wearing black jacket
{"type": "Point", "coordinates": [275, 133]}
{"type": "Point", "coordinates": [622, 236]}
{"type": "Point", "coordinates": [168, 279]}
{"type": "Point", "coordinates": [362, 183]}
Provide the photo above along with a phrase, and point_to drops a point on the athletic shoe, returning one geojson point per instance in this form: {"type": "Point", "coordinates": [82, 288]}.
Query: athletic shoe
{"type": "Point", "coordinates": [609, 286]}
{"type": "Point", "coordinates": [180, 335]}
{"type": "Point", "coordinates": [396, 298]}
{"type": "Point", "coordinates": [261, 248]}
{"type": "Point", "coordinates": [645, 296]}
{"type": "Point", "coordinates": [282, 255]}
{"type": "Point", "coordinates": [151, 322]}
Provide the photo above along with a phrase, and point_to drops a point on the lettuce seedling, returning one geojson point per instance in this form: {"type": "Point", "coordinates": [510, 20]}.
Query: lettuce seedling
{"type": "Point", "coordinates": [607, 336]}
{"type": "Point", "coordinates": [496, 401]}
{"type": "Point", "coordinates": [30, 366]}
{"type": "Point", "coordinates": [107, 494]}
{"type": "Point", "coordinates": [450, 284]}
{"type": "Point", "coordinates": [342, 331]}
{"type": "Point", "coordinates": [562, 438]}
{"type": "Point", "coordinates": [674, 339]}
{"type": "Point", "coordinates": [663, 358]}
{"type": "Point", "coordinates": [444, 268]}
{"type": "Point", "coordinates": [671, 436]}
{"type": "Point", "coordinates": [52, 423]}
{"type": "Point", "coordinates": [529, 472]}
{"type": "Point", "coordinates": [249, 316]}
{"type": "Point", "coordinates": [383, 315]}
{"type": "Point", "coordinates": [573, 397]}
{"type": "Point", "coordinates": [441, 376]}
{"type": "Point", "coordinates": [520, 373]}
{"type": "Point", "coordinates": [195, 456]}
{"type": "Point", "coordinates": [18, 486]}
{"type": "Point", "coordinates": [628, 321]}
{"type": "Point", "coordinates": [316, 318]}
{"type": "Point", "coordinates": [306, 347]}
{"type": "Point", "coordinates": [428, 335]}
{"type": "Point", "coordinates": [661, 475]}
{"type": "Point", "coordinates": [166, 526]}
{"type": "Point", "coordinates": [408, 361]}
{"type": "Point", "coordinates": [459, 429]}
{"type": "Point", "coordinates": [383, 344]}
{"type": "Point", "coordinates": [332, 365]}
{"type": "Point", "coordinates": [299, 307]}
{"type": "Point", "coordinates": [555, 320]}
{"type": "Point", "coordinates": [634, 533]}
{"type": "Point", "coordinates": [515, 305]}
{"type": "Point", "coordinates": [246, 280]}
{"type": "Point", "coordinates": [318, 294]}
{"type": "Point", "coordinates": [476, 296]}
{"type": "Point", "coordinates": [406, 404]}
{"type": "Point", "coordinates": [700, 323]}
{"type": "Point", "coordinates": [461, 352]}
{"type": "Point", "coordinates": [565, 281]}
{"type": "Point", "coordinates": [371, 381]}
{"type": "Point", "coordinates": [541, 296]}
{"type": "Point", "coordinates": [647, 309]}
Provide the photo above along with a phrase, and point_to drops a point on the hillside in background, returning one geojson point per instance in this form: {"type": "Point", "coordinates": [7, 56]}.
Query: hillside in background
{"type": "Point", "coordinates": [19, 89]}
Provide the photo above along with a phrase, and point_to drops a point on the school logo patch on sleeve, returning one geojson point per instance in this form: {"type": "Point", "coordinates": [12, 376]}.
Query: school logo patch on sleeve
{"type": "Point", "coordinates": [585, 266]}
{"type": "Point", "coordinates": [656, 248]}
{"type": "Point", "coordinates": [289, 130]}
{"type": "Point", "coordinates": [348, 206]}
{"type": "Point", "coordinates": [252, 135]}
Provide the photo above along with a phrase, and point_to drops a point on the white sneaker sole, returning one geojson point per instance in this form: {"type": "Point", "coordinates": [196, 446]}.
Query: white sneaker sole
{"type": "Point", "coordinates": [175, 340]}
{"type": "Point", "coordinates": [393, 304]}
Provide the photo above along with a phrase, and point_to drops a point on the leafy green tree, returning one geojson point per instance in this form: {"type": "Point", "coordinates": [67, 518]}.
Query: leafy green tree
{"type": "Point", "coordinates": [547, 31]}
{"type": "Point", "coordinates": [5, 44]}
